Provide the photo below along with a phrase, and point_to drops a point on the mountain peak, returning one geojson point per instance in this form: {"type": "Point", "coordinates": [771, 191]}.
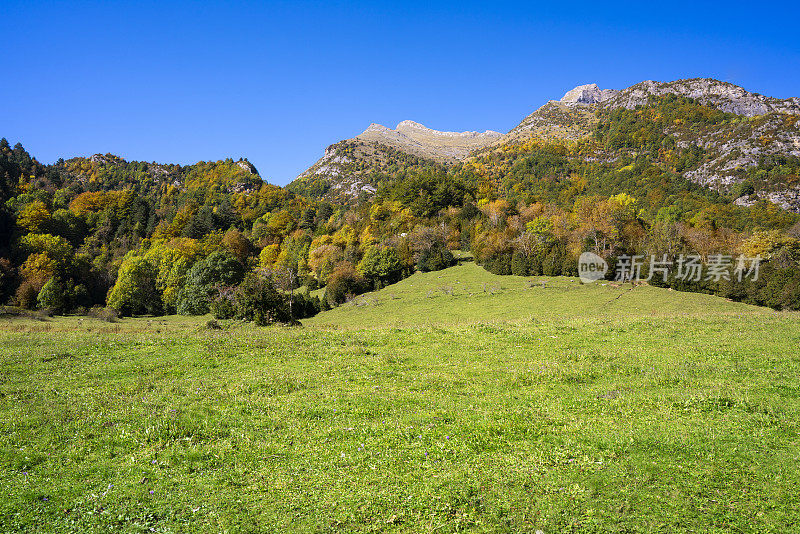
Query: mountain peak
{"type": "Point", "coordinates": [412, 129]}
{"type": "Point", "coordinates": [418, 139]}
{"type": "Point", "coordinates": [587, 94]}
{"type": "Point", "coordinates": [406, 124]}
{"type": "Point", "coordinates": [377, 128]}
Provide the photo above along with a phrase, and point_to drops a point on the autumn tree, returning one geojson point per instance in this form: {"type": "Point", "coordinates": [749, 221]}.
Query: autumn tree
{"type": "Point", "coordinates": [173, 259]}
{"type": "Point", "coordinates": [35, 217]}
{"type": "Point", "coordinates": [595, 223]}
{"type": "Point", "coordinates": [135, 291]}
{"type": "Point", "coordinates": [322, 259]}
{"type": "Point", "coordinates": [381, 266]}
{"type": "Point", "coordinates": [237, 244]}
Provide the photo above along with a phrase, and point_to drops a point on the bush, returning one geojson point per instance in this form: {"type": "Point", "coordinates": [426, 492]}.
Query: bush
{"type": "Point", "coordinates": [257, 300]}
{"type": "Point", "coordinates": [53, 297]}
{"type": "Point", "coordinates": [499, 265]}
{"type": "Point", "coordinates": [436, 258]}
{"type": "Point", "coordinates": [535, 265]}
{"type": "Point", "coordinates": [570, 266]}
{"type": "Point", "coordinates": [109, 315]}
{"type": "Point", "coordinates": [27, 295]}
{"type": "Point", "coordinates": [744, 189]}
{"type": "Point", "coordinates": [519, 264]}
{"type": "Point", "coordinates": [343, 283]}
{"type": "Point", "coordinates": [224, 305]}
{"type": "Point", "coordinates": [779, 288]}
{"type": "Point", "coordinates": [553, 263]}
{"type": "Point", "coordinates": [7, 278]}
{"type": "Point", "coordinates": [305, 305]}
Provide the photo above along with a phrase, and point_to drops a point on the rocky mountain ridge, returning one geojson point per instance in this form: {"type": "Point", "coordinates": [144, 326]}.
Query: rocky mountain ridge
{"type": "Point", "coordinates": [419, 140]}
{"type": "Point", "coordinates": [724, 96]}
{"type": "Point", "coordinates": [587, 94]}
{"type": "Point", "coordinates": [768, 127]}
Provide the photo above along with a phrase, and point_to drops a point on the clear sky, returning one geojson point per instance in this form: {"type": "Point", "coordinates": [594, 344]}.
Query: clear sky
{"type": "Point", "coordinates": [277, 82]}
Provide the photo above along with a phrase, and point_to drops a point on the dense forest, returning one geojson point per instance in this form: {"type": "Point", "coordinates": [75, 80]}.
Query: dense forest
{"type": "Point", "coordinates": [105, 236]}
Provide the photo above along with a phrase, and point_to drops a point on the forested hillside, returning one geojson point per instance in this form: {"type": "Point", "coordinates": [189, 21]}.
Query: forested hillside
{"type": "Point", "coordinates": [96, 233]}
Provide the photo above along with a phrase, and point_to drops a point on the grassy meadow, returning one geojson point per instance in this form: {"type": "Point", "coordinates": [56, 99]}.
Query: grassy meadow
{"type": "Point", "coordinates": [453, 401]}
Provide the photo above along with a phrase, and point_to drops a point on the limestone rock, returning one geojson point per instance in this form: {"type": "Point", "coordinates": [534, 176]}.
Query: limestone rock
{"type": "Point", "coordinates": [587, 94]}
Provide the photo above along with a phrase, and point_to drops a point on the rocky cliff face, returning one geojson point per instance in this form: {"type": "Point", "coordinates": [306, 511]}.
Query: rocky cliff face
{"type": "Point", "coordinates": [587, 94]}
{"type": "Point", "coordinates": [570, 118]}
{"type": "Point", "coordinates": [769, 128]}
{"type": "Point", "coordinates": [735, 150]}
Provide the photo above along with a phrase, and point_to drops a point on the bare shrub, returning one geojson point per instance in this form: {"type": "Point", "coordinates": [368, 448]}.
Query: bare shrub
{"type": "Point", "coordinates": [109, 315]}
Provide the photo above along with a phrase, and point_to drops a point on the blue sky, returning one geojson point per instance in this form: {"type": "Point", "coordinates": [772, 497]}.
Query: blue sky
{"type": "Point", "coordinates": [277, 82]}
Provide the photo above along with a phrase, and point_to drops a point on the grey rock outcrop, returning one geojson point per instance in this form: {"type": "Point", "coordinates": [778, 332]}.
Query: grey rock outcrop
{"type": "Point", "coordinates": [419, 140]}
{"type": "Point", "coordinates": [721, 95]}
{"type": "Point", "coordinates": [587, 94]}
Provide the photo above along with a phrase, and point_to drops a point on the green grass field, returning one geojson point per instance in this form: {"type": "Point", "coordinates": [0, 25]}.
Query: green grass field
{"type": "Point", "coordinates": [452, 401]}
{"type": "Point", "coordinates": [469, 294]}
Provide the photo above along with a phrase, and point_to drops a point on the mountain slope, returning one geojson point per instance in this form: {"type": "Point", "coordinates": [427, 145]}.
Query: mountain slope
{"type": "Point", "coordinates": [721, 95]}
{"type": "Point", "coordinates": [355, 167]}
{"type": "Point", "coordinates": [752, 148]}
{"type": "Point", "coordinates": [556, 120]}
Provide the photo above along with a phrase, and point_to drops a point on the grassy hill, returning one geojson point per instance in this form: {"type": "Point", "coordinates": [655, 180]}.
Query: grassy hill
{"type": "Point", "coordinates": [417, 408]}
{"type": "Point", "coordinates": [469, 294]}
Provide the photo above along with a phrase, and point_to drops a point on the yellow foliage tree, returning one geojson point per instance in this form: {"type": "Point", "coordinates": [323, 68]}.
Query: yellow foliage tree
{"type": "Point", "coordinates": [268, 256]}
{"type": "Point", "coordinates": [35, 217]}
